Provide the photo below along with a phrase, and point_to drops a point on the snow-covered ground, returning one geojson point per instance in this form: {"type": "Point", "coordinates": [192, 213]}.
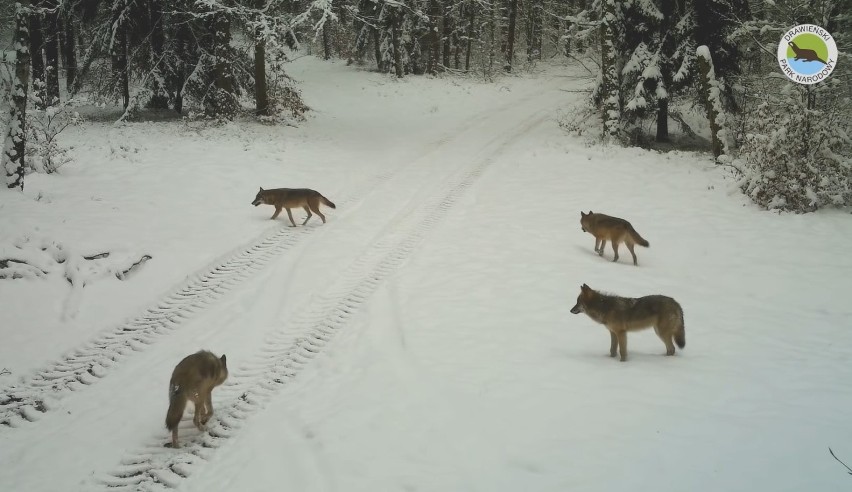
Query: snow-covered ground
{"type": "Point", "coordinates": [421, 339]}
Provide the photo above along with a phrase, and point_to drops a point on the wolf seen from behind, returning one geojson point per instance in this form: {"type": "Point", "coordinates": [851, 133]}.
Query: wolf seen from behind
{"type": "Point", "coordinates": [193, 380]}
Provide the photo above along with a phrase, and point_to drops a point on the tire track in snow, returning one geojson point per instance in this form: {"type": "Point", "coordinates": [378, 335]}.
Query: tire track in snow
{"type": "Point", "coordinates": [38, 393]}
{"type": "Point", "coordinates": [153, 467]}
{"type": "Point", "coordinates": [27, 400]}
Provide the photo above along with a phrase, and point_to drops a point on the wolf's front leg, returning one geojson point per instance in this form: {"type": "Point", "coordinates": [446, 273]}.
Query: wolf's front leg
{"type": "Point", "coordinates": [613, 344]}
{"type": "Point", "coordinates": [622, 345]}
{"type": "Point", "coordinates": [290, 214]}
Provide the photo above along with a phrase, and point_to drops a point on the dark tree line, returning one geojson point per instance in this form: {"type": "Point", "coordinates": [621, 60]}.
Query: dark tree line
{"type": "Point", "coordinates": [210, 55]}
{"type": "Point", "coordinates": [788, 142]}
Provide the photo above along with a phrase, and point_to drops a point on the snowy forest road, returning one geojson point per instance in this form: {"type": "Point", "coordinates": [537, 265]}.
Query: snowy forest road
{"type": "Point", "coordinates": [377, 225]}
{"type": "Point", "coordinates": [299, 340]}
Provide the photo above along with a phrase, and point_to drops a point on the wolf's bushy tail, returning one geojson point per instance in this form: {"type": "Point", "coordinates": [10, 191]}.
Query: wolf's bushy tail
{"type": "Point", "coordinates": [177, 404]}
{"type": "Point", "coordinates": [680, 333]}
{"type": "Point", "coordinates": [327, 202]}
{"type": "Point", "coordinates": [638, 239]}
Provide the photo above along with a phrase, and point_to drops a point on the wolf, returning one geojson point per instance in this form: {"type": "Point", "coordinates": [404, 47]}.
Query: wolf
{"type": "Point", "coordinates": [623, 314]}
{"type": "Point", "coordinates": [288, 198]}
{"type": "Point", "coordinates": [194, 379]}
{"type": "Point", "coordinates": [605, 227]}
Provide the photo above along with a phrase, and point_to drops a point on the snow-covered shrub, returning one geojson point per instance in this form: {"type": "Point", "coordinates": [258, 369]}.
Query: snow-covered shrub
{"type": "Point", "coordinates": [285, 100]}
{"type": "Point", "coordinates": [583, 121]}
{"type": "Point", "coordinates": [797, 156]}
{"type": "Point", "coordinates": [44, 154]}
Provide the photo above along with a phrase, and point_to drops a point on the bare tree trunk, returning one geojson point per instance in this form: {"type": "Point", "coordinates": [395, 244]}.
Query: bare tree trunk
{"type": "Point", "coordinates": [534, 29]}
{"type": "Point", "coordinates": [118, 51]}
{"type": "Point", "coordinates": [434, 39]}
{"type": "Point", "coordinates": [708, 83]}
{"type": "Point", "coordinates": [564, 25]}
{"type": "Point", "coordinates": [223, 102]}
{"type": "Point", "coordinates": [377, 47]}
{"type": "Point", "coordinates": [456, 49]}
{"type": "Point", "coordinates": [159, 92]}
{"type": "Point", "coordinates": [670, 10]}
{"type": "Point", "coordinates": [396, 21]}
{"type": "Point", "coordinates": [69, 48]}
{"type": "Point", "coordinates": [610, 105]}
{"type": "Point", "coordinates": [261, 95]}
{"type": "Point", "coordinates": [360, 45]}
{"type": "Point", "coordinates": [471, 23]}
{"type": "Point", "coordinates": [15, 145]}
{"type": "Point", "coordinates": [182, 40]}
{"type": "Point", "coordinates": [51, 51]}
{"type": "Point", "coordinates": [447, 23]}
{"type": "Point", "coordinates": [36, 40]}
{"type": "Point", "coordinates": [510, 35]}
{"type": "Point", "coordinates": [493, 23]}
{"type": "Point", "coordinates": [326, 41]}
{"type": "Point", "coordinates": [663, 120]}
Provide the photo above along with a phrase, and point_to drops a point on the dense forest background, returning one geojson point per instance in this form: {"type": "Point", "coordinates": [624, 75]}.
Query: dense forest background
{"type": "Point", "coordinates": [651, 61]}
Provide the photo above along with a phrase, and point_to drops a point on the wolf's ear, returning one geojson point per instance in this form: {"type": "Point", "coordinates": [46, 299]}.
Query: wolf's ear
{"type": "Point", "coordinates": [590, 212]}
{"type": "Point", "coordinates": [224, 360]}
{"type": "Point", "coordinates": [582, 214]}
{"type": "Point", "coordinates": [585, 287]}
{"type": "Point", "coordinates": [261, 188]}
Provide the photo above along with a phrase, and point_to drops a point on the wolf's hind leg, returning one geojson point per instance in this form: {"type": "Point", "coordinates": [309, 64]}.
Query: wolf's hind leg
{"type": "Point", "coordinates": [308, 211]}
{"type": "Point", "coordinates": [208, 407]}
{"type": "Point", "coordinates": [667, 336]}
{"type": "Point", "coordinates": [630, 248]}
{"type": "Point", "coordinates": [315, 207]}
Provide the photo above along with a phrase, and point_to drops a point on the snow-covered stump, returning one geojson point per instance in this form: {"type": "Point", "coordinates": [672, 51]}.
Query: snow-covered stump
{"type": "Point", "coordinates": [710, 96]}
{"type": "Point", "coordinates": [15, 143]}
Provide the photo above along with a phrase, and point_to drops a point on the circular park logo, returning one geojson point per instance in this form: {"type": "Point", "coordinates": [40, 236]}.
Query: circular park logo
{"type": "Point", "coordinates": [807, 54]}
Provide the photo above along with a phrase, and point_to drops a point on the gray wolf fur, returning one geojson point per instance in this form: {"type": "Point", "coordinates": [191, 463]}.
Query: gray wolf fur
{"type": "Point", "coordinates": [193, 380]}
{"type": "Point", "coordinates": [623, 314]}
{"type": "Point", "coordinates": [605, 227]}
{"type": "Point", "coordinates": [287, 198]}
